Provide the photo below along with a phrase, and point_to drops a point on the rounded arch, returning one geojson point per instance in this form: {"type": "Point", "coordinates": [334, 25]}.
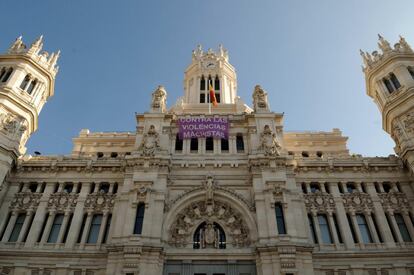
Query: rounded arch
{"type": "Point", "coordinates": [227, 210]}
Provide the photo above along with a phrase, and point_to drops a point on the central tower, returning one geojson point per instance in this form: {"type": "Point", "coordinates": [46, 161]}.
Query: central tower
{"type": "Point", "coordinates": [210, 69]}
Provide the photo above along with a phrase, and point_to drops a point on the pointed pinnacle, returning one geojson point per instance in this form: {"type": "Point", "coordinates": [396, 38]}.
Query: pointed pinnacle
{"type": "Point", "coordinates": [380, 37]}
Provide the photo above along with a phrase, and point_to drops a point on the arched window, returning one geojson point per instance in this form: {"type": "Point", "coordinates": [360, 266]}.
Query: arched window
{"type": "Point", "coordinates": [25, 81]}
{"type": "Point", "coordinates": [202, 83]}
{"type": "Point", "coordinates": [178, 143]}
{"type": "Point", "coordinates": [199, 238]}
{"type": "Point", "coordinates": [8, 74]}
{"type": "Point", "coordinates": [32, 85]}
{"type": "Point", "coordinates": [139, 218]}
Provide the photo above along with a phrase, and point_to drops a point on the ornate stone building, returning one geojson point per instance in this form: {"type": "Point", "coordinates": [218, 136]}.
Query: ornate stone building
{"type": "Point", "coordinates": [159, 200]}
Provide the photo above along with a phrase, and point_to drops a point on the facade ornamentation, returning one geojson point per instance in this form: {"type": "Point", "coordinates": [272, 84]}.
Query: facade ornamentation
{"type": "Point", "coordinates": [159, 99]}
{"type": "Point", "coordinates": [394, 201]}
{"type": "Point", "coordinates": [63, 201]}
{"type": "Point", "coordinates": [100, 201]}
{"type": "Point", "coordinates": [209, 186]}
{"type": "Point", "coordinates": [12, 126]}
{"type": "Point", "coordinates": [222, 213]}
{"type": "Point", "coordinates": [319, 202]}
{"type": "Point", "coordinates": [150, 142]}
{"type": "Point", "coordinates": [25, 200]}
{"type": "Point", "coordinates": [209, 236]}
{"type": "Point", "coordinates": [260, 99]}
{"type": "Point", "coordinates": [269, 142]}
{"type": "Point", "coordinates": [18, 46]}
{"type": "Point", "coordinates": [357, 202]}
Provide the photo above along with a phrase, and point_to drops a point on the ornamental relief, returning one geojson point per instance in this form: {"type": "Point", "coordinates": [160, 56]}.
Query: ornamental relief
{"type": "Point", "coordinates": [12, 126]}
{"type": "Point", "coordinates": [320, 202]}
{"type": "Point", "coordinates": [269, 142]}
{"type": "Point", "coordinates": [25, 200]}
{"type": "Point", "coordinates": [100, 201]}
{"type": "Point", "coordinates": [202, 211]}
{"type": "Point", "coordinates": [150, 142]}
{"type": "Point", "coordinates": [394, 201]}
{"type": "Point", "coordinates": [62, 201]}
{"type": "Point", "coordinates": [357, 201]}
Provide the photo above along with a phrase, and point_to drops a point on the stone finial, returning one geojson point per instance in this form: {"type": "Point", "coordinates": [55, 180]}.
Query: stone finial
{"type": "Point", "coordinates": [159, 100]}
{"type": "Point", "coordinates": [18, 46]}
{"type": "Point", "coordinates": [36, 46]}
{"type": "Point", "coordinates": [404, 45]}
{"type": "Point", "coordinates": [383, 44]}
{"type": "Point", "coordinates": [260, 103]}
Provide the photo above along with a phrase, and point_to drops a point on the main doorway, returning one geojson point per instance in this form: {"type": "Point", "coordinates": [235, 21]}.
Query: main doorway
{"type": "Point", "coordinates": [193, 267]}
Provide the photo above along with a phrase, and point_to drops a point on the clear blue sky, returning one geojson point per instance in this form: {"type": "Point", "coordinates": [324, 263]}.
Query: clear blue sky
{"type": "Point", "coordinates": [114, 53]}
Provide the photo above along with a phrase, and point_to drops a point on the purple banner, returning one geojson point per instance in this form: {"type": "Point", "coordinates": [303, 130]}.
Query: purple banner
{"type": "Point", "coordinates": [202, 127]}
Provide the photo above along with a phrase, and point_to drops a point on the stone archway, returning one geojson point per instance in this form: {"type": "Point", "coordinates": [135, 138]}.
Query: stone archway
{"type": "Point", "coordinates": [220, 212]}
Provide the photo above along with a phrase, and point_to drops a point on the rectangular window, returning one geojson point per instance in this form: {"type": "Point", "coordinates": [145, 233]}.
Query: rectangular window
{"type": "Point", "coordinates": [325, 230]}
{"type": "Point", "coordinates": [202, 98]}
{"type": "Point", "coordinates": [314, 186]}
{"type": "Point", "coordinates": [94, 229]}
{"type": "Point", "coordinates": [224, 145]}
{"type": "Point", "coordinates": [239, 143]}
{"type": "Point", "coordinates": [312, 229]}
{"type": "Point", "coordinates": [104, 187]}
{"type": "Point", "coordinates": [107, 227]}
{"type": "Point", "coordinates": [209, 144]}
{"type": "Point", "coordinates": [395, 81]}
{"type": "Point", "coordinates": [139, 218]}
{"type": "Point", "coordinates": [403, 228]}
{"type": "Point", "coordinates": [217, 97]}
{"type": "Point", "coordinates": [388, 84]}
{"type": "Point", "coordinates": [178, 143]}
{"type": "Point", "coordinates": [194, 145]}
{"type": "Point", "coordinates": [68, 187]}
{"type": "Point", "coordinates": [363, 228]}
{"type": "Point", "coordinates": [350, 187]}
{"type": "Point", "coordinates": [17, 227]}
{"type": "Point", "coordinates": [54, 231]}
{"type": "Point", "coordinates": [280, 219]}
{"type": "Point", "coordinates": [65, 235]}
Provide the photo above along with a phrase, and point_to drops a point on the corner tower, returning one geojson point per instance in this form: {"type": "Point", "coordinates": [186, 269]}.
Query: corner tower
{"type": "Point", "coordinates": [27, 77]}
{"type": "Point", "coordinates": [389, 76]}
{"type": "Point", "coordinates": [210, 68]}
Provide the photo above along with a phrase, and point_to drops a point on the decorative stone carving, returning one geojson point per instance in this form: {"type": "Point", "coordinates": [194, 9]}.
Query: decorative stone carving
{"type": "Point", "coordinates": [357, 202]}
{"type": "Point", "coordinates": [394, 201]}
{"type": "Point", "coordinates": [159, 100]}
{"type": "Point", "coordinates": [12, 126]}
{"type": "Point", "coordinates": [150, 142]}
{"type": "Point", "coordinates": [209, 185]}
{"type": "Point", "coordinates": [25, 200]}
{"type": "Point", "coordinates": [260, 102]}
{"type": "Point", "coordinates": [222, 213]}
{"type": "Point", "coordinates": [62, 201]}
{"type": "Point", "coordinates": [18, 46]}
{"type": "Point", "coordinates": [100, 201]}
{"type": "Point", "coordinates": [319, 202]}
{"type": "Point", "coordinates": [269, 142]}
{"type": "Point", "coordinates": [209, 236]}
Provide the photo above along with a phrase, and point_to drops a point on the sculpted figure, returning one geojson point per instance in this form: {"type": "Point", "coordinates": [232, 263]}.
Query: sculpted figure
{"type": "Point", "coordinates": [259, 98]}
{"type": "Point", "coordinates": [159, 99]}
{"type": "Point", "coordinates": [209, 188]}
{"type": "Point", "coordinates": [209, 236]}
{"type": "Point", "coordinates": [150, 142]}
{"type": "Point", "coordinates": [269, 143]}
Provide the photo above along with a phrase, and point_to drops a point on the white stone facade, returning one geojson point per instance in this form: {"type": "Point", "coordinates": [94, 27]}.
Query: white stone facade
{"type": "Point", "coordinates": [263, 201]}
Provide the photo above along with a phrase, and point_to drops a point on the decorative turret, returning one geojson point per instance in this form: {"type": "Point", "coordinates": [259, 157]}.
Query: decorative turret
{"type": "Point", "coordinates": [27, 77]}
{"type": "Point", "coordinates": [210, 72]}
{"type": "Point", "coordinates": [389, 76]}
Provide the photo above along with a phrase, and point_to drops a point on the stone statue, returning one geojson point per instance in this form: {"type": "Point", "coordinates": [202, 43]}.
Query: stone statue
{"type": "Point", "coordinates": [209, 236]}
{"type": "Point", "coordinates": [150, 142]}
{"type": "Point", "coordinates": [260, 99]}
{"type": "Point", "coordinates": [269, 142]}
{"type": "Point", "coordinates": [209, 186]}
{"type": "Point", "coordinates": [159, 99]}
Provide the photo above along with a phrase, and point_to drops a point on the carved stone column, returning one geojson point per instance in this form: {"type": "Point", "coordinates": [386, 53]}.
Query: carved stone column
{"type": "Point", "coordinates": [28, 218]}
{"type": "Point", "coordinates": [408, 223]}
{"type": "Point", "coordinates": [10, 225]}
{"type": "Point", "coordinates": [371, 227]}
{"type": "Point", "coordinates": [102, 228]}
{"type": "Point", "coordinates": [394, 226]}
{"type": "Point", "coordinates": [317, 228]}
{"type": "Point", "coordinates": [86, 230]}
{"type": "Point", "coordinates": [63, 228]}
{"type": "Point", "coordinates": [333, 228]}
{"type": "Point", "coordinates": [48, 226]}
{"type": "Point", "coordinates": [356, 229]}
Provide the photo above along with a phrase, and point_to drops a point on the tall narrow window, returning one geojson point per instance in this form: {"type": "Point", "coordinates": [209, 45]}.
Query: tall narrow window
{"type": "Point", "coordinates": [374, 220]}
{"type": "Point", "coordinates": [7, 76]}
{"type": "Point", "coordinates": [194, 145]}
{"type": "Point", "coordinates": [107, 227]}
{"type": "Point", "coordinates": [203, 98]}
{"type": "Point", "coordinates": [217, 97]}
{"type": "Point", "coordinates": [410, 70]}
{"type": "Point", "coordinates": [394, 235]}
{"type": "Point", "coordinates": [395, 81]}
{"type": "Point", "coordinates": [25, 82]}
{"type": "Point", "coordinates": [388, 84]}
{"type": "Point", "coordinates": [209, 144]}
{"type": "Point", "coordinates": [139, 218]}
{"type": "Point", "coordinates": [325, 230]}
{"type": "Point", "coordinates": [45, 218]}
{"type": "Point", "coordinates": [28, 229]}
{"type": "Point", "coordinates": [54, 231]}
{"type": "Point", "coordinates": [85, 216]}
{"type": "Point", "coordinates": [363, 228]}
{"type": "Point", "coordinates": [351, 227]}
{"type": "Point", "coordinates": [312, 229]}
{"type": "Point", "coordinates": [202, 83]}
{"type": "Point", "coordinates": [17, 227]}
{"type": "Point", "coordinates": [338, 232]}
{"type": "Point", "coordinates": [239, 143]}
{"type": "Point", "coordinates": [224, 145]}
{"type": "Point", "coordinates": [402, 227]}
{"type": "Point", "coordinates": [217, 84]}
{"type": "Point", "coordinates": [178, 143]}
{"type": "Point", "coordinates": [280, 219]}
{"type": "Point", "coordinates": [65, 235]}
{"type": "Point", "coordinates": [94, 229]}
{"type": "Point", "coordinates": [32, 85]}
